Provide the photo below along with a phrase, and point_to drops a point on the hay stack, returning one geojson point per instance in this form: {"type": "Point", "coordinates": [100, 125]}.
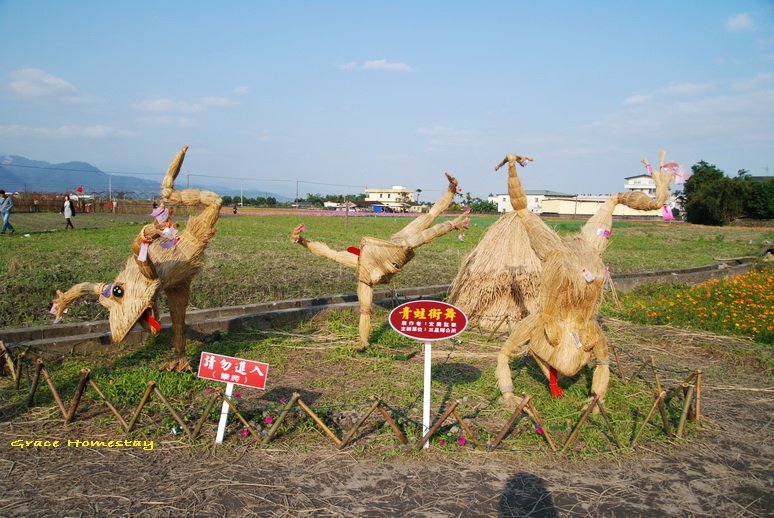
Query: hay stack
{"type": "Point", "coordinates": [498, 282]}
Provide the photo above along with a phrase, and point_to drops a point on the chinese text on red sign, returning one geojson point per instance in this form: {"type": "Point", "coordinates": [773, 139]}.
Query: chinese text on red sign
{"type": "Point", "coordinates": [428, 320]}
{"type": "Point", "coordinates": [228, 369]}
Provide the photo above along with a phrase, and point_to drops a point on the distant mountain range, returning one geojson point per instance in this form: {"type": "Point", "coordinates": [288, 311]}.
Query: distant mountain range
{"type": "Point", "coordinates": [20, 174]}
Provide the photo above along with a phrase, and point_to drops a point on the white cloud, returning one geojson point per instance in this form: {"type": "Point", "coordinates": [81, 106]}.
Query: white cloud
{"type": "Point", "coordinates": [215, 101]}
{"type": "Point", "coordinates": [637, 99]}
{"type": "Point", "coordinates": [95, 131]}
{"type": "Point", "coordinates": [685, 88]}
{"type": "Point", "coordinates": [736, 113]}
{"type": "Point", "coordinates": [446, 136]}
{"type": "Point", "coordinates": [241, 90]}
{"type": "Point", "coordinates": [161, 121]}
{"type": "Point", "coordinates": [165, 105]}
{"type": "Point", "coordinates": [762, 80]}
{"type": "Point", "coordinates": [33, 82]}
{"type": "Point", "coordinates": [170, 106]}
{"type": "Point", "coordinates": [383, 64]}
{"type": "Point", "coordinates": [347, 66]}
{"type": "Point", "coordinates": [377, 65]}
{"type": "Point", "coordinates": [740, 22]}
{"type": "Point", "coordinates": [735, 106]}
{"type": "Point", "coordinates": [262, 136]}
{"type": "Point", "coordinates": [440, 131]}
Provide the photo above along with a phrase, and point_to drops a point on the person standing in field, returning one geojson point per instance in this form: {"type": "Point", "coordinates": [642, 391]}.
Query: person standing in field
{"type": "Point", "coordinates": [68, 209]}
{"type": "Point", "coordinates": [6, 205]}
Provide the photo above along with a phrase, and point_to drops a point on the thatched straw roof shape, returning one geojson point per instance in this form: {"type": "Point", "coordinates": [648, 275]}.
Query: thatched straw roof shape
{"type": "Point", "coordinates": [498, 282]}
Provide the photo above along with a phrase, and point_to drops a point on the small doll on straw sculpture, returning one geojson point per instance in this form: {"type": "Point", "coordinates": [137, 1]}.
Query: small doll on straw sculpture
{"type": "Point", "coordinates": [563, 333]}
{"type": "Point", "coordinates": [162, 260]}
{"type": "Point", "coordinates": [377, 260]}
{"type": "Point", "coordinates": [162, 221]}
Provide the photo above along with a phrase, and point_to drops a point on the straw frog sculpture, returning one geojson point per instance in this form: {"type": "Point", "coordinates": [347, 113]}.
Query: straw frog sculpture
{"type": "Point", "coordinates": [162, 260]}
{"type": "Point", "coordinates": [378, 260]}
{"type": "Point", "coordinates": [563, 334]}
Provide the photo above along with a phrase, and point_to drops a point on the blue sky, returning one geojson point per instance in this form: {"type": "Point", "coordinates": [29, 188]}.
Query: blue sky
{"type": "Point", "coordinates": [370, 94]}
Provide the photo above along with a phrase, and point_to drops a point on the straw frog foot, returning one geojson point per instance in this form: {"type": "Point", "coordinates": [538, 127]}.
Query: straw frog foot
{"type": "Point", "coordinates": [361, 346]}
{"type": "Point", "coordinates": [177, 365]}
{"type": "Point", "coordinates": [454, 186]}
{"type": "Point", "coordinates": [295, 236]}
{"type": "Point", "coordinates": [510, 401]}
{"type": "Point", "coordinates": [586, 406]}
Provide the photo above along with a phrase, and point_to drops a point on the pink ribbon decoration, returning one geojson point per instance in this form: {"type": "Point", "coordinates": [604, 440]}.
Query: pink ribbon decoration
{"type": "Point", "coordinates": [666, 213]}
{"type": "Point", "coordinates": [143, 255]}
{"type": "Point", "coordinates": [161, 214]}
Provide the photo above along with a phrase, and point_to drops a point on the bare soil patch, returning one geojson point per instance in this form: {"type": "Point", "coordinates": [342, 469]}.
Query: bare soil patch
{"type": "Point", "coordinates": [723, 470]}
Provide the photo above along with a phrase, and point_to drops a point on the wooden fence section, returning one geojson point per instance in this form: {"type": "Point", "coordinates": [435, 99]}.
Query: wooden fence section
{"type": "Point", "coordinates": [19, 367]}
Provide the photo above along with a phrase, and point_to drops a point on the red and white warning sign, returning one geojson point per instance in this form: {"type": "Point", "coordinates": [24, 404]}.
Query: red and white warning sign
{"type": "Point", "coordinates": [428, 320]}
{"type": "Point", "coordinates": [228, 369]}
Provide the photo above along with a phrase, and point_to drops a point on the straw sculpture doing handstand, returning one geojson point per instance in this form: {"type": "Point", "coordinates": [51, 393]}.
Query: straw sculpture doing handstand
{"type": "Point", "coordinates": [563, 333]}
{"type": "Point", "coordinates": [377, 260]}
{"type": "Point", "coordinates": [162, 259]}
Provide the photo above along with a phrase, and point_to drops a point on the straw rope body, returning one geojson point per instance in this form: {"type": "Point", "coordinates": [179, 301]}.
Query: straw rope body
{"type": "Point", "coordinates": [563, 334]}
{"type": "Point", "coordinates": [156, 265]}
{"type": "Point", "coordinates": [379, 260]}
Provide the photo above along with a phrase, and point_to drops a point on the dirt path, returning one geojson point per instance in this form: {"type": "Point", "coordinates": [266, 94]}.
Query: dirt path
{"type": "Point", "coordinates": [725, 470]}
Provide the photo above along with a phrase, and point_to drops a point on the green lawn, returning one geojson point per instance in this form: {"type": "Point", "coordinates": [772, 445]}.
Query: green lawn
{"type": "Point", "coordinates": [251, 259]}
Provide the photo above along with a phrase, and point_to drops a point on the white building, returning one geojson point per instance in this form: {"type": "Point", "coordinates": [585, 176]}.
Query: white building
{"type": "Point", "coordinates": [397, 197]}
{"type": "Point", "coordinates": [346, 206]}
{"type": "Point", "coordinates": [641, 182]}
{"type": "Point", "coordinates": [534, 200]}
{"type": "Point", "coordinates": [551, 202]}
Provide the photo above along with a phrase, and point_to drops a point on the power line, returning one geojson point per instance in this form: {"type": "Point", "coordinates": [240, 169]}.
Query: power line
{"type": "Point", "coordinates": [201, 175]}
{"type": "Point", "coordinates": [120, 173]}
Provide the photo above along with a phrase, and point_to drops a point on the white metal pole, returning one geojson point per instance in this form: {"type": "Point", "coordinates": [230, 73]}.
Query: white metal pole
{"type": "Point", "coordinates": [426, 399]}
{"type": "Point", "coordinates": [224, 415]}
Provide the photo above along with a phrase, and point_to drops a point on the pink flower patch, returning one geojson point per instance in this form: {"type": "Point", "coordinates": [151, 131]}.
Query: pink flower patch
{"type": "Point", "coordinates": [244, 433]}
{"type": "Point", "coordinates": [268, 420]}
{"type": "Point", "coordinates": [462, 441]}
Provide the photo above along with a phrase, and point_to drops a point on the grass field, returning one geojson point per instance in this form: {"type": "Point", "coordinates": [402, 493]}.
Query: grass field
{"type": "Point", "coordinates": [251, 259]}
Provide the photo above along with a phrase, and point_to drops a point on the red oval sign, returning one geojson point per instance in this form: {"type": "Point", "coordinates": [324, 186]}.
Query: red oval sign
{"type": "Point", "coordinates": [428, 320]}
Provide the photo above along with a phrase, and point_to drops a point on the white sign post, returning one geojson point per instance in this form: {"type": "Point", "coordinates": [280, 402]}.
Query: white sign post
{"type": "Point", "coordinates": [230, 370]}
{"type": "Point", "coordinates": [224, 415]}
{"type": "Point", "coordinates": [428, 382]}
{"type": "Point", "coordinates": [428, 320]}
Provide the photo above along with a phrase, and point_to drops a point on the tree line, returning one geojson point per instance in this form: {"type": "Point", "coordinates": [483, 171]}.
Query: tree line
{"type": "Point", "coordinates": [709, 197]}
